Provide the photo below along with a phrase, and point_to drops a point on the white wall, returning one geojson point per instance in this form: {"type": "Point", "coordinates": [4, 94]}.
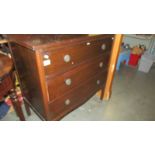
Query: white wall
{"type": "Point", "coordinates": [134, 40]}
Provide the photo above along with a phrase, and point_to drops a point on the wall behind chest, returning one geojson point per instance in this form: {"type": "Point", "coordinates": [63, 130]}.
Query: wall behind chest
{"type": "Point", "coordinates": [134, 40]}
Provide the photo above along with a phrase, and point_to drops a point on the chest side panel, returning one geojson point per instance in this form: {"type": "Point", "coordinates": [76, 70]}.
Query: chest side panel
{"type": "Point", "coordinates": [25, 61]}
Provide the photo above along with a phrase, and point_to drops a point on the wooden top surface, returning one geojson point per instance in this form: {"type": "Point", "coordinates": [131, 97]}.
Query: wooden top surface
{"type": "Point", "coordinates": [5, 65]}
{"type": "Point", "coordinates": [36, 41]}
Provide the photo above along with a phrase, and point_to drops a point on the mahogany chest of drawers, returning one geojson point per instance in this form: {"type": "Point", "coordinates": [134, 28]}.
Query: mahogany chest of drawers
{"type": "Point", "coordinates": [58, 73]}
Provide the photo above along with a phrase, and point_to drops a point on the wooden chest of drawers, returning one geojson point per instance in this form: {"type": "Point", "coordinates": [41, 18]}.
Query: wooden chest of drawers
{"type": "Point", "coordinates": [58, 73]}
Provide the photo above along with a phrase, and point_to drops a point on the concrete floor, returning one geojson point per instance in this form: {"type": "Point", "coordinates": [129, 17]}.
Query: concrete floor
{"type": "Point", "coordinates": [133, 98]}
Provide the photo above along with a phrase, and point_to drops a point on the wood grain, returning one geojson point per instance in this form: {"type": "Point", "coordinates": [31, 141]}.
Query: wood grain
{"type": "Point", "coordinates": [112, 66]}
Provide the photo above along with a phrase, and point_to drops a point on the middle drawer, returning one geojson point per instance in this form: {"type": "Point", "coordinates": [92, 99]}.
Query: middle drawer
{"type": "Point", "coordinates": [66, 82]}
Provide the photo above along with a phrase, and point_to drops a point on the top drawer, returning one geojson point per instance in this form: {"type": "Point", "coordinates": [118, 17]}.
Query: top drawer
{"type": "Point", "coordinates": [56, 61]}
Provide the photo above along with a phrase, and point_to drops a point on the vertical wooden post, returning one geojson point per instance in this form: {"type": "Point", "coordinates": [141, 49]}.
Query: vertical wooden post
{"type": "Point", "coordinates": [112, 66]}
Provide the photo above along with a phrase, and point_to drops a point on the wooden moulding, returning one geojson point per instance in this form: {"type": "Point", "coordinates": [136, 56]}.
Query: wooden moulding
{"type": "Point", "coordinates": [3, 41]}
{"type": "Point", "coordinates": [112, 66]}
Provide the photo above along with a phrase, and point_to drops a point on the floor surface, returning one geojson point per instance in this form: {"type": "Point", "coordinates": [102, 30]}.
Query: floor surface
{"type": "Point", "coordinates": [133, 99]}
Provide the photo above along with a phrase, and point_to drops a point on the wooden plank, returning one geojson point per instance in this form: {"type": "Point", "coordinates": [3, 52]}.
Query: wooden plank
{"type": "Point", "coordinates": [112, 67]}
{"type": "Point", "coordinates": [3, 41]}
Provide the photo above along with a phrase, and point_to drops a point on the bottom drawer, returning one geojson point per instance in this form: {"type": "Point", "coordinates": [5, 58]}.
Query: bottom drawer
{"type": "Point", "coordinates": [77, 96]}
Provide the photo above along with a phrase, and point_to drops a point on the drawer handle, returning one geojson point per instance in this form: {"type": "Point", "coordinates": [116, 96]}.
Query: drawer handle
{"type": "Point", "coordinates": [67, 102]}
{"type": "Point", "coordinates": [88, 43]}
{"type": "Point", "coordinates": [98, 82]}
{"type": "Point", "coordinates": [103, 47]}
{"type": "Point", "coordinates": [68, 82]}
{"type": "Point", "coordinates": [101, 64]}
{"type": "Point", "coordinates": [67, 58]}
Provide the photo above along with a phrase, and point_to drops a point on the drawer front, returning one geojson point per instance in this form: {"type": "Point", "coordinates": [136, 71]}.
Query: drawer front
{"type": "Point", "coordinates": [66, 58]}
{"type": "Point", "coordinates": [67, 81]}
{"type": "Point", "coordinates": [78, 95]}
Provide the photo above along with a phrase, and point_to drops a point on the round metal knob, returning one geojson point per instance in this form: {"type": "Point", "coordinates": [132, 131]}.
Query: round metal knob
{"type": "Point", "coordinates": [68, 82]}
{"type": "Point", "coordinates": [101, 64]}
{"type": "Point", "coordinates": [67, 102]}
{"type": "Point", "coordinates": [88, 43]}
{"type": "Point", "coordinates": [103, 47]}
{"type": "Point", "coordinates": [112, 38]}
{"type": "Point", "coordinates": [98, 82]}
{"type": "Point", "coordinates": [67, 58]}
